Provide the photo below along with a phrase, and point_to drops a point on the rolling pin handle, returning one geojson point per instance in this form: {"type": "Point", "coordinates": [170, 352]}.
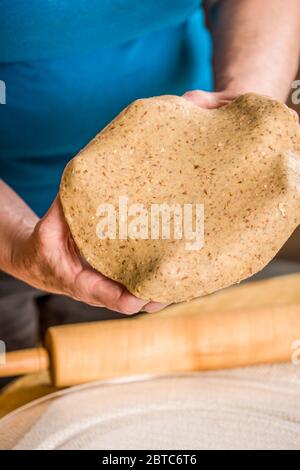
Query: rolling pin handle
{"type": "Point", "coordinates": [24, 361]}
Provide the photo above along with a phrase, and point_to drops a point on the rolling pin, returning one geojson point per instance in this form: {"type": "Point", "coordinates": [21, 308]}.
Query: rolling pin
{"type": "Point", "coordinates": [253, 323]}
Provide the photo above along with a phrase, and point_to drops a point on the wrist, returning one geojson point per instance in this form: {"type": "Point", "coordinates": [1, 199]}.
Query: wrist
{"type": "Point", "coordinates": [20, 254]}
{"type": "Point", "coordinates": [236, 86]}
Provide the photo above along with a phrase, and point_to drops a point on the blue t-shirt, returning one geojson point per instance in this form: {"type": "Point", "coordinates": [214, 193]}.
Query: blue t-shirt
{"type": "Point", "coordinates": [70, 66]}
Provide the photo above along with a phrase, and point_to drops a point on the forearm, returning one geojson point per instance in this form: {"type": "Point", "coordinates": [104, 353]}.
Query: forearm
{"type": "Point", "coordinates": [256, 45]}
{"type": "Point", "coordinates": [16, 221]}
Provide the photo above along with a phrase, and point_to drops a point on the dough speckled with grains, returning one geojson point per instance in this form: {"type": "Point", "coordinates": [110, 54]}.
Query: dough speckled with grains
{"type": "Point", "coordinates": [241, 161]}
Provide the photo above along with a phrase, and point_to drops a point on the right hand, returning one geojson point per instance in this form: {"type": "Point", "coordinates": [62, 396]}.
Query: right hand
{"type": "Point", "coordinates": [47, 258]}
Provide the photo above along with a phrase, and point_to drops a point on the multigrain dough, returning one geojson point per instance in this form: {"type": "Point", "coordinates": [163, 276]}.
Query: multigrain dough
{"type": "Point", "coordinates": [242, 161]}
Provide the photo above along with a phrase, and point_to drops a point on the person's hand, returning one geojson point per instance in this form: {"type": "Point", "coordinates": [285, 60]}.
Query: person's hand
{"type": "Point", "coordinates": [216, 99]}
{"type": "Point", "coordinates": [211, 100]}
{"type": "Point", "coordinates": [48, 259]}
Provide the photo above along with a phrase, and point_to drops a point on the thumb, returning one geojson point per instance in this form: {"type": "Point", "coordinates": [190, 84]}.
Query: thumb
{"type": "Point", "coordinates": [54, 219]}
{"type": "Point", "coordinates": [206, 99]}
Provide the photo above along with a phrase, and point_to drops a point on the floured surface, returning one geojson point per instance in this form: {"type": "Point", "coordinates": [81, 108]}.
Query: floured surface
{"type": "Point", "coordinates": [241, 162]}
{"type": "Point", "coordinates": [250, 408]}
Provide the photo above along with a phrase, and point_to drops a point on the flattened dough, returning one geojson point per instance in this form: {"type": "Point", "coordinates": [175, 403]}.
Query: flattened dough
{"type": "Point", "coordinates": [241, 161]}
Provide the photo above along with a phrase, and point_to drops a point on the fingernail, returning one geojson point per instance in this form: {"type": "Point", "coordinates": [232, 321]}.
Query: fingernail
{"type": "Point", "coordinates": [154, 307]}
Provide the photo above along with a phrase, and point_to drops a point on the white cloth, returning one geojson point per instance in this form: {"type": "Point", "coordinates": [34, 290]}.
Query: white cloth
{"type": "Point", "coordinates": [250, 408]}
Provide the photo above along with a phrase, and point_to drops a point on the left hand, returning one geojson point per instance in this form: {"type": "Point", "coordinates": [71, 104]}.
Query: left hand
{"type": "Point", "coordinates": [216, 99]}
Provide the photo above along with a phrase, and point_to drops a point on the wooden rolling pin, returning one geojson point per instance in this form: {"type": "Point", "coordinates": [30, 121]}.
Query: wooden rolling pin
{"type": "Point", "coordinates": [249, 324]}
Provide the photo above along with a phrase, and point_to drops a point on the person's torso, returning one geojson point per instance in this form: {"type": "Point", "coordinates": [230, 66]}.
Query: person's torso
{"type": "Point", "coordinates": [71, 66]}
